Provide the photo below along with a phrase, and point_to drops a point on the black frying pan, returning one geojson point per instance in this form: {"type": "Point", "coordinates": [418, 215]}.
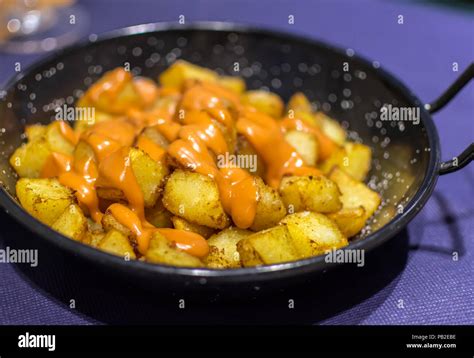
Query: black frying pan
{"type": "Point", "coordinates": [406, 156]}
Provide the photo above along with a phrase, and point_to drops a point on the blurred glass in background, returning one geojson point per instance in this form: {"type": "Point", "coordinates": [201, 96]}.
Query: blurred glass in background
{"type": "Point", "coordinates": [33, 26]}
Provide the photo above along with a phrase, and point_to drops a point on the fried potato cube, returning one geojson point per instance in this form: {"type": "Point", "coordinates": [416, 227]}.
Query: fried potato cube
{"type": "Point", "coordinates": [313, 233]}
{"type": "Point", "coordinates": [56, 141]}
{"type": "Point", "coordinates": [355, 193]}
{"type": "Point", "coordinates": [299, 102]}
{"type": "Point", "coordinates": [350, 221]}
{"type": "Point", "coordinates": [244, 148]}
{"type": "Point", "coordinates": [235, 84]}
{"type": "Point", "coordinates": [313, 193]}
{"type": "Point", "coordinates": [195, 197]}
{"type": "Point", "coordinates": [45, 199]}
{"type": "Point", "coordinates": [264, 101]}
{"type": "Point", "coordinates": [305, 145]}
{"type": "Point", "coordinates": [180, 71]}
{"type": "Point", "coordinates": [109, 222]}
{"type": "Point", "coordinates": [163, 251]}
{"type": "Point", "coordinates": [99, 116]}
{"type": "Point", "coordinates": [28, 160]}
{"type": "Point", "coordinates": [353, 158]}
{"type": "Point", "coordinates": [182, 224]}
{"type": "Point", "coordinates": [71, 223]}
{"type": "Point", "coordinates": [158, 216]}
{"type": "Point", "coordinates": [149, 174]}
{"type": "Point", "coordinates": [113, 93]}
{"type": "Point", "coordinates": [331, 128]}
{"type": "Point", "coordinates": [267, 247]}
{"type": "Point", "coordinates": [35, 131]}
{"type": "Point", "coordinates": [116, 243]}
{"type": "Point", "coordinates": [93, 238]}
{"type": "Point", "coordinates": [223, 252]}
{"type": "Point", "coordinates": [270, 208]}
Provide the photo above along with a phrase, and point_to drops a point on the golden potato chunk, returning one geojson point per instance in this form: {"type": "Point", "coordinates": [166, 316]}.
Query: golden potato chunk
{"type": "Point", "coordinates": [355, 193]}
{"type": "Point", "coordinates": [181, 224]}
{"type": "Point", "coordinates": [267, 247]}
{"type": "Point", "coordinates": [235, 84]}
{"type": "Point", "coordinates": [270, 208]}
{"type": "Point", "coordinates": [71, 223]}
{"type": "Point", "coordinates": [313, 233]}
{"type": "Point", "coordinates": [299, 102]}
{"type": "Point", "coordinates": [28, 160]}
{"type": "Point", "coordinates": [331, 128]}
{"type": "Point", "coordinates": [56, 141]}
{"type": "Point", "coordinates": [353, 158]}
{"type": "Point", "coordinates": [158, 216]}
{"type": "Point", "coordinates": [149, 174]}
{"type": "Point", "coordinates": [313, 193]}
{"type": "Point", "coordinates": [180, 71]}
{"type": "Point", "coordinates": [163, 251]}
{"type": "Point", "coordinates": [223, 252]}
{"type": "Point", "coordinates": [116, 243]}
{"type": "Point", "coordinates": [45, 199]}
{"type": "Point", "coordinates": [264, 101]}
{"type": "Point", "coordinates": [350, 221]}
{"type": "Point", "coordinates": [305, 145]}
{"type": "Point", "coordinates": [35, 131]}
{"type": "Point", "coordinates": [195, 197]}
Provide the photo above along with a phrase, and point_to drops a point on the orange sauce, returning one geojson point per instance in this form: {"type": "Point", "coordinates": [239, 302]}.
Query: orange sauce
{"type": "Point", "coordinates": [326, 145]}
{"type": "Point", "coordinates": [266, 136]}
{"type": "Point", "coordinates": [55, 164]}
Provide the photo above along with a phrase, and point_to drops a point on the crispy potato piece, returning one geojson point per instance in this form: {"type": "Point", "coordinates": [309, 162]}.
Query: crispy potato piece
{"type": "Point", "coordinates": [181, 224]}
{"type": "Point", "coordinates": [56, 141]}
{"type": "Point", "coordinates": [71, 223]}
{"type": "Point", "coordinates": [35, 131]}
{"type": "Point", "coordinates": [313, 193]}
{"type": "Point", "coordinates": [270, 208]}
{"type": "Point", "coordinates": [331, 128]}
{"type": "Point", "coordinates": [158, 216]}
{"type": "Point", "coordinates": [355, 193]}
{"type": "Point", "coordinates": [353, 158]}
{"type": "Point", "coordinates": [305, 144]}
{"type": "Point", "coordinates": [150, 177]}
{"type": "Point", "coordinates": [350, 221]}
{"type": "Point", "coordinates": [264, 101]}
{"type": "Point", "coordinates": [109, 222]}
{"type": "Point", "coordinates": [28, 160]}
{"type": "Point", "coordinates": [45, 199]}
{"type": "Point", "coordinates": [245, 148]}
{"type": "Point", "coordinates": [195, 197]}
{"type": "Point", "coordinates": [180, 71]}
{"type": "Point", "coordinates": [113, 93]}
{"type": "Point", "coordinates": [99, 116]}
{"type": "Point", "coordinates": [156, 137]}
{"type": "Point", "coordinates": [313, 233]}
{"type": "Point", "coordinates": [235, 84]}
{"type": "Point", "coordinates": [149, 174]}
{"type": "Point", "coordinates": [267, 247]}
{"type": "Point", "coordinates": [94, 233]}
{"type": "Point", "coordinates": [223, 248]}
{"type": "Point", "coordinates": [163, 251]}
{"type": "Point", "coordinates": [299, 102]}
{"type": "Point", "coordinates": [116, 243]}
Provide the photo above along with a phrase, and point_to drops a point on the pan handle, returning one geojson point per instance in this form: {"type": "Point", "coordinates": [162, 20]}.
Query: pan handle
{"type": "Point", "coordinates": [468, 154]}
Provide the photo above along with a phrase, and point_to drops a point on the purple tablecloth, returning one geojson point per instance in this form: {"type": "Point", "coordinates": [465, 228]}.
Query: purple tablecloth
{"type": "Point", "coordinates": [423, 283]}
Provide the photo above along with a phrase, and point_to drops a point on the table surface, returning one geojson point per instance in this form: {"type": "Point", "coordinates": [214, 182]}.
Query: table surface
{"type": "Point", "coordinates": [415, 279]}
